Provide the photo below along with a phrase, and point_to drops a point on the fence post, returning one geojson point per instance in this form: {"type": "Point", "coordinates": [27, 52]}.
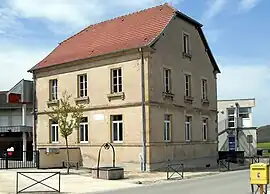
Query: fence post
{"type": "Point", "coordinates": [37, 159]}
{"type": "Point", "coordinates": [6, 159]}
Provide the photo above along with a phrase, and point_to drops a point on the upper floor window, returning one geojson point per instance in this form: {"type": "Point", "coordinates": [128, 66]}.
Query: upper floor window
{"type": "Point", "coordinates": [167, 127]}
{"type": "Point", "coordinates": [186, 43]}
{"type": "Point", "coordinates": [53, 89]}
{"type": "Point", "coordinates": [116, 80]}
{"type": "Point", "coordinates": [204, 89]}
{"type": "Point", "coordinates": [188, 128]}
{"type": "Point", "coordinates": [167, 80]}
{"type": "Point", "coordinates": [205, 128]}
{"type": "Point", "coordinates": [231, 117]}
{"type": "Point", "coordinates": [117, 128]}
{"type": "Point", "coordinates": [82, 84]}
{"type": "Point", "coordinates": [54, 132]}
{"type": "Point", "coordinates": [244, 112]}
{"type": "Point", "coordinates": [188, 85]}
{"type": "Point", "coordinates": [84, 130]}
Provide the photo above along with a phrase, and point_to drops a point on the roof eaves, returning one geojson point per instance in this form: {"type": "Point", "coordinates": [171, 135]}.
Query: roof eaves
{"type": "Point", "coordinates": [110, 53]}
{"type": "Point", "coordinates": [209, 52]}
{"type": "Point", "coordinates": [188, 19]}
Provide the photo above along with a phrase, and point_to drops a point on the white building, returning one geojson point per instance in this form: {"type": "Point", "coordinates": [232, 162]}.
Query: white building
{"type": "Point", "coordinates": [235, 127]}
{"type": "Point", "coordinates": [16, 120]}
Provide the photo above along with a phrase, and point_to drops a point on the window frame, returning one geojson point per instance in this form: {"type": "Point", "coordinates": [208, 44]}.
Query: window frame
{"type": "Point", "coordinates": [205, 125]}
{"type": "Point", "coordinates": [118, 123]}
{"type": "Point", "coordinates": [188, 89]}
{"type": "Point", "coordinates": [231, 115]}
{"type": "Point", "coordinates": [188, 122]}
{"type": "Point", "coordinates": [167, 127]}
{"type": "Point", "coordinates": [119, 86]}
{"type": "Point", "coordinates": [186, 45]}
{"type": "Point", "coordinates": [241, 113]}
{"type": "Point", "coordinates": [85, 126]}
{"type": "Point", "coordinates": [54, 128]}
{"type": "Point", "coordinates": [53, 83]}
{"type": "Point", "coordinates": [167, 86]}
{"type": "Point", "coordinates": [204, 87]}
{"type": "Point", "coordinates": [84, 82]}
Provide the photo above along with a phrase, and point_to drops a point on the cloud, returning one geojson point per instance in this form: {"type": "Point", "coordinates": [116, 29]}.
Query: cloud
{"type": "Point", "coordinates": [70, 15]}
{"type": "Point", "coordinates": [246, 79]}
{"type": "Point", "coordinates": [15, 61]}
{"type": "Point", "coordinates": [213, 9]}
{"type": "Point", "coordinates": [247, 5]}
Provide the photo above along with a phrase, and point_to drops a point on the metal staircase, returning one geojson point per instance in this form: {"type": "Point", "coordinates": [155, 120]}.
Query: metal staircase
{"type": "Point", "coordinates": [241, 132]}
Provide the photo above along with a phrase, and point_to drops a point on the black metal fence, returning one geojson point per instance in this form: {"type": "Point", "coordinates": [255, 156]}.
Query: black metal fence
{"type": "Point", "coordinates": [25, 159]}
{"type": "Point", "coordinates": [50, 175]}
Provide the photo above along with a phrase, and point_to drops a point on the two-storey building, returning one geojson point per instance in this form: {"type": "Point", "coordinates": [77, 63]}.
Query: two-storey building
{"type": "Point", "coordinates": [148, 83]}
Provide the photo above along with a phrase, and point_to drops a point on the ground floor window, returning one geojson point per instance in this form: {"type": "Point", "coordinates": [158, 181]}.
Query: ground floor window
{"type": "Point", "coordinates": [54, 132]}
{"type": "Point", "coordinates": [84, 130]}
{"type": "Point", "coordinates": [205, 129]}
{"type": "Point", "coordinates": [167, 127]}
{"type": "Point", "coordinates": [188, 128]}
{"type": "Point", "coordinates": [117, 128]}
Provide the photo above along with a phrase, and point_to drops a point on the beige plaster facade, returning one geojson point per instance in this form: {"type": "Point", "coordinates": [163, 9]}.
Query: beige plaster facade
{"type": "Point", "coordinates": [166, 53]}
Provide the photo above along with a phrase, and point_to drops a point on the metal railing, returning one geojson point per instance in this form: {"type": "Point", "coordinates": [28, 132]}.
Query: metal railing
{"type": "Point", "coordinates": [175, 169]}
{"type": "Point", "coordinates": [224, 163]}
{"type": "Point", "coordinates": [15, 160]}
{"type": "Point", "coordinates": [25, 189]}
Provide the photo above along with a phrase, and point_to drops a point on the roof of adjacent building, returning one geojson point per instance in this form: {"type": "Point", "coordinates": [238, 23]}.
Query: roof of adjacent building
{"type": "Point", "coordinates": [135, 30]}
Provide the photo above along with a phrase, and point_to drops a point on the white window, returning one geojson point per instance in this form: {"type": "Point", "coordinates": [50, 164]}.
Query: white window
{"type": "Point", "coordinates": [205, 129]}
{"type": "Point", "coordinates": [117, 128]}
{"type": "Point", "coordinates": [84, 130]}
{"type": "Point", "coordinates": [188, 128]}
{"type": "Point", "coordinates": [53, 89]}
{"type": "Point", "coordinates": [167, 127]}
{"type": "Point", "coordinates": [244, 112]}
{"type": "Point", "coordinates": [231, 117]}
{"type": "Point", "coordinates": [167, 80]}
{"type": "Point", "coordinates": [54, 132]}
{"type": "Point", "coordinates": [186, 43]}
{"type": "Point", "coordinates": [82, 79]}
{"type": "Point", "coordinates": [188, 85]}
{"type": "Point", "coordinates": [116, 80]}
{"type": "Point", "coordinates": [204, 89]}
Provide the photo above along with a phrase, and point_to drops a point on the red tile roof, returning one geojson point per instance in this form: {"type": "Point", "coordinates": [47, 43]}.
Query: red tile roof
{"type": "Point", "coordinates": [135, 30]}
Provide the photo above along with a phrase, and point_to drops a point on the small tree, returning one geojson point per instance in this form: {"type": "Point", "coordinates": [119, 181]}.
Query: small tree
{"type": "Point", "coordinates": [68, 117]}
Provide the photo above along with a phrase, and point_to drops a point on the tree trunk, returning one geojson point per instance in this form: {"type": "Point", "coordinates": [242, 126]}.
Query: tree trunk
{"type": "Point", "coordinates": [67, 155]}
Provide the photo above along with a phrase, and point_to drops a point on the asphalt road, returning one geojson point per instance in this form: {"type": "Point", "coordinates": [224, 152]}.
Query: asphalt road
{"type": "Point", "coordinates": [225, 183]}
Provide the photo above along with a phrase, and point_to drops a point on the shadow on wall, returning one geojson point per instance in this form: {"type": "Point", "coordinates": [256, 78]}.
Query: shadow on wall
{"type": "Point", "coordinates": [55, 160]}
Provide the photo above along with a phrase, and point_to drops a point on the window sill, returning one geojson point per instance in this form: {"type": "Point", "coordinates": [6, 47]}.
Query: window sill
{"type": "Point", "coordinates": [84, 142]}
{"type": "Point", "coordinates": [187, 55]}
{"type": "Point", "coordinates": [205, 102]}
{"type": "Point", "coordinates": [188, 99]}
{"type": "Point", "coordinates": [55, 142]}
{"type": "Point", "coordinates": [117, 142]}
{"type": "Point", "coordinates": [113, 96]}
{"type": "Point", "coordinates": [188, 141]}
{"type": "Point", "coordinates": [84, 99]}
{"type": "Point", "coordinates": [52, 103]}
{"type": "Point", "coordinates": [169, 96]}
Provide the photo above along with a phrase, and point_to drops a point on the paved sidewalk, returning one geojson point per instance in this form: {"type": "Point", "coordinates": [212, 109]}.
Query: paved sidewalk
{"type": "Point", "coordinates": [80, 181]}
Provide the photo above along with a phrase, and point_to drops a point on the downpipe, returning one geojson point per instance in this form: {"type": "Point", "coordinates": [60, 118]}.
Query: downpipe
{"type": "Point", "coordinates": [143, 156]}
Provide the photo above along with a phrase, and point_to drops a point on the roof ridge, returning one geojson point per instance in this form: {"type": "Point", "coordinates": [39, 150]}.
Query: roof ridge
{"type": "Point", "coordinates": [115, 18]}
